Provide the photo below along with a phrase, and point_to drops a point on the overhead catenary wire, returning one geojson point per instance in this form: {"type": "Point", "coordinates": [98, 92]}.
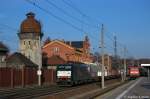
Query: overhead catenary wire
{"type": "Point", "coordinates": [8, 37]}
{"type": "Point", "coordinates": [75, 8]}
{"type": "Point", "coordinates": [9, 27]}
{"type": "Point", "coordinates": [71, 5]}
{"type": "Point", "coordinates": [55, 16]}
{"type": "Point", "coordinates": [68, 14]}
{"type": "Point", "coordinates": [58, 18]}
{"type": "Point", "coordinates": [14, 29]}
{"type": "Point", "coordinates": [119, 44]}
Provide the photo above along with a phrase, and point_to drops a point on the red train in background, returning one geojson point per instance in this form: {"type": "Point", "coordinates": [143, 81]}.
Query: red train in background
{"type": "Point", "coordinates": [133, 72]}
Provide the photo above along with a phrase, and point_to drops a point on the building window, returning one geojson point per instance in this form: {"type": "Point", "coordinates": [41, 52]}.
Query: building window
{"type": "Point", "coordinates": [56, 49]}
{"type": "Point", "coordinates": [3, 58]}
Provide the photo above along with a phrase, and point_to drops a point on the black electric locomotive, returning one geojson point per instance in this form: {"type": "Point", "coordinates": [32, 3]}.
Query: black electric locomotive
{"type": "Point", "coordinates": [76, 73]}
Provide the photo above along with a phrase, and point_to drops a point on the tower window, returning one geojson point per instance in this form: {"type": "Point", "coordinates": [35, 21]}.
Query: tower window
{"type": "Point", "coordinates": [29, 43]}
{"type": "Point", "coordinates": [24, 42]}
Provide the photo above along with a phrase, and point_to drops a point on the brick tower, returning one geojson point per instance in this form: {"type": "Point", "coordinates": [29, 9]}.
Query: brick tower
{"type": "Point", "coordinates": [30, 36]}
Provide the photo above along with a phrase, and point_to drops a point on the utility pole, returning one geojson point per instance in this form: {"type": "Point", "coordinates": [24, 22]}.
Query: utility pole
{"type": "Point", "coordinates": [115, 64]}
{"type": "Point", "coordinates": [102, 53]}
{"type": "Point", "coordinates": [116, 59]}
{"type": "Point", "coordinates": [108, 64]}
{"type": "Point", "coordinates": [115, 47]}
{"type": "Point", "coordinates": [39, 72]}
{"type": "Point", "coordinates": [125, 67]}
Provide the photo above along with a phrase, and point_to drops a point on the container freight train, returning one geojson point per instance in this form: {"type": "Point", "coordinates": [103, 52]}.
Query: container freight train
{"type": "Point", "coordinates": [77, 73]}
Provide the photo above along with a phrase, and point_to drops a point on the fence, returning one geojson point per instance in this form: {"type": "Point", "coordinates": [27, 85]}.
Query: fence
{"type": "Point", "coordinates": [49, 76]}
{"type": "Point", "coordinates": [12, 77]}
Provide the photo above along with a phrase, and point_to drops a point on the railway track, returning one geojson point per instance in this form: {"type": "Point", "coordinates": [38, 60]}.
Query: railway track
{"type": "Point", "coordinates": [35, 92]}
{"type": "Point", "coordinates": [29, 93]}
{"type": "Point", "coordinates": [77, 90]}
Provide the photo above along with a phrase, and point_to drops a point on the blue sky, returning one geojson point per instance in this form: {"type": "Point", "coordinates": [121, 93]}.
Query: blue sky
{"type": "Point", "coordinates": [129, 20]}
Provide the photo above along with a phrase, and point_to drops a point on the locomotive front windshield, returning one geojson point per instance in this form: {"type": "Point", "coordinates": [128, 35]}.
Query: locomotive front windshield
{"type": "Point", "coordinates": [63, 67]}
